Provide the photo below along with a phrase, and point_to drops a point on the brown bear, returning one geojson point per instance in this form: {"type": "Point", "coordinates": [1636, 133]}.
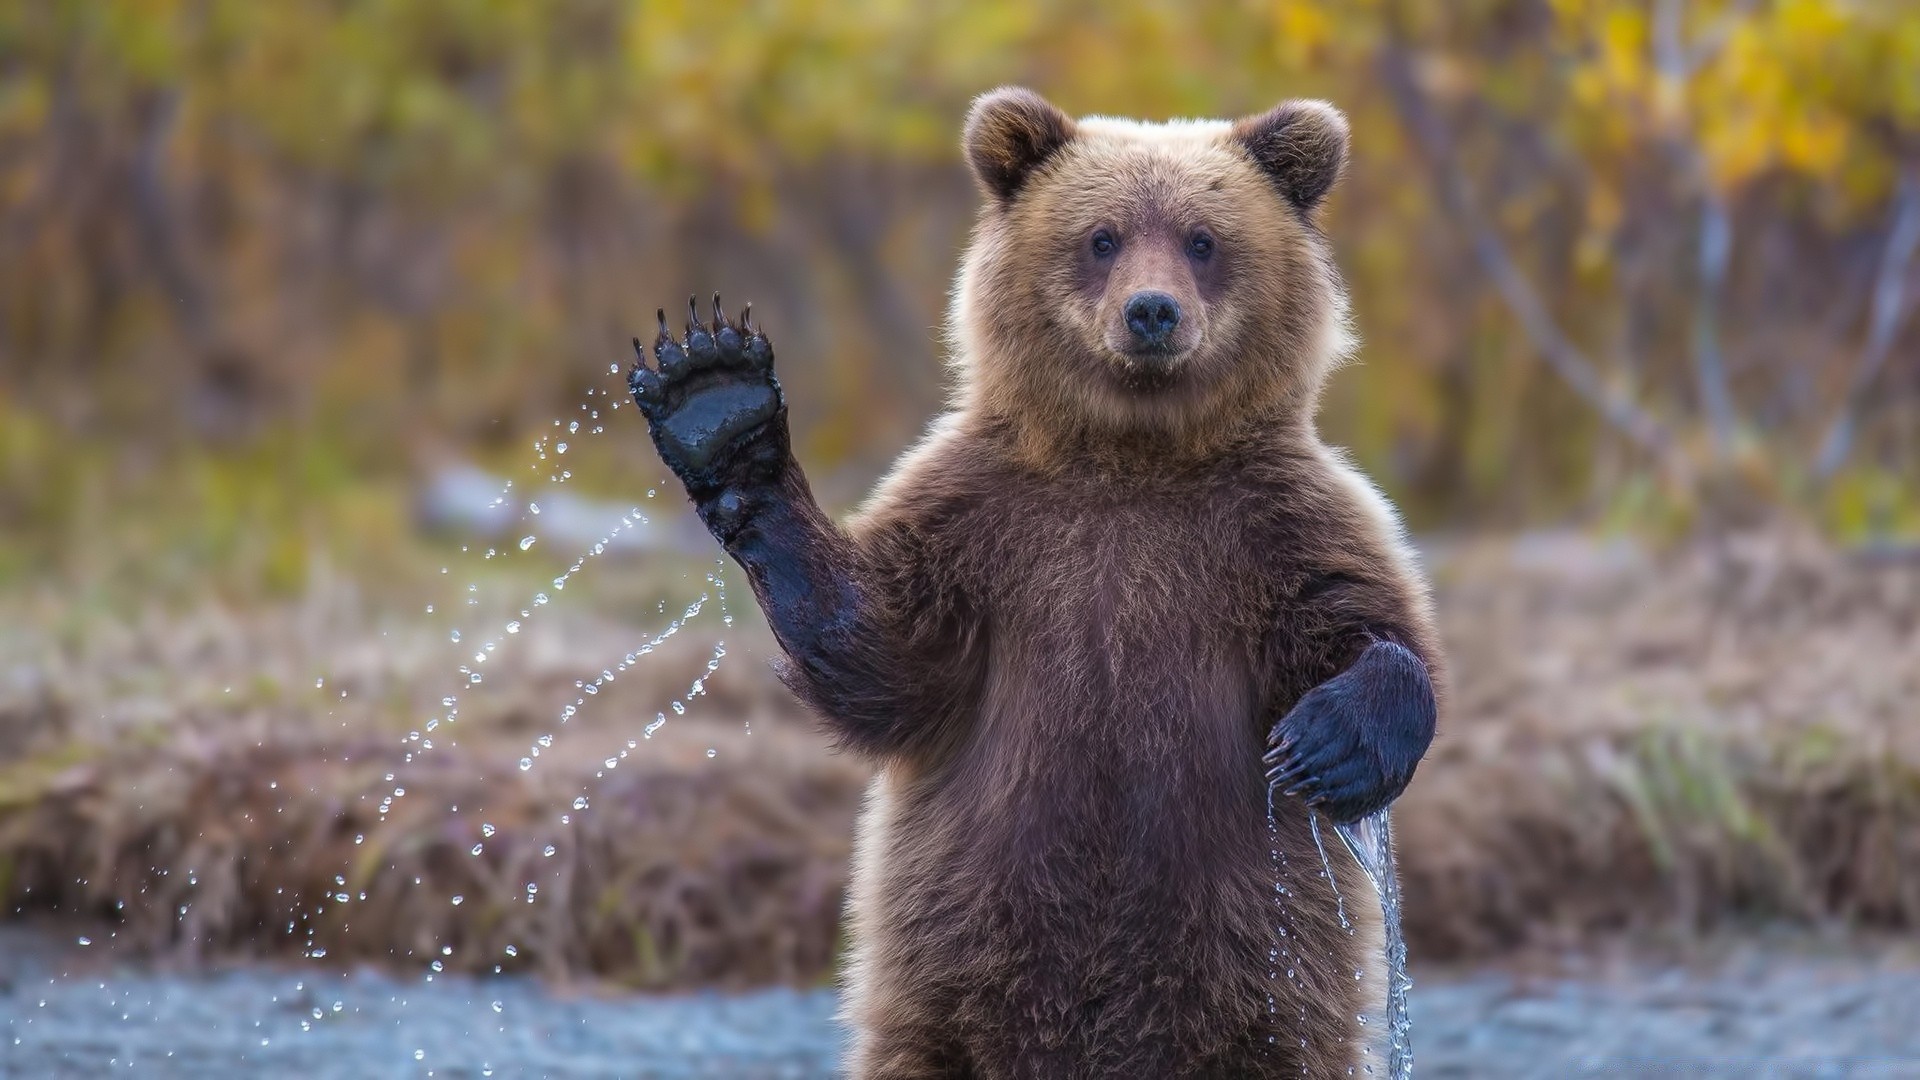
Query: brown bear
{"type": "Point", "coordinates": [1111, 630]}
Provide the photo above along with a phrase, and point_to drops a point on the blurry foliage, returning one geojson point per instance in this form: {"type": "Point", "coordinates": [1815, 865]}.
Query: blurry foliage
{"type": "Point", "coordinates": [252, 255]}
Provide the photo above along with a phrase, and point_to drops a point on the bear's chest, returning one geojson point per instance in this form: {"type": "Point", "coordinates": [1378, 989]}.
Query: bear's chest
{"type": "Point", "coordinates": [1110, 592]}
{"type": "Point", "coordinates": [1121, 681]}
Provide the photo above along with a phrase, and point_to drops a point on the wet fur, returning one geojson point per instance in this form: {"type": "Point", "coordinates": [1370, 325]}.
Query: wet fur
{"type": "Point", "coordinates": [1066, 622]}
{"type": "Point", "coordinates": [1074, 878]}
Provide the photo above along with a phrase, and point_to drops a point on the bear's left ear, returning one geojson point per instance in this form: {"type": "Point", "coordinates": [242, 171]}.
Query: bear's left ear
{"type": "Point", "coordinates": [1301, 145]}
{"type": "Point", "coordinates": [1009, 132]}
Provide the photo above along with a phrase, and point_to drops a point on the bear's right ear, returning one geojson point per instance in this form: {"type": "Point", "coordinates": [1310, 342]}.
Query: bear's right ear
{"type": "Point", "coordinates": [1301, 145]}
{"type": "Point", "coordinates": [1009, 132]}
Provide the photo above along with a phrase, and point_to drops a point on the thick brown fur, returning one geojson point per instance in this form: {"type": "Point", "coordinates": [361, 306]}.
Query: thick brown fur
{"type": "Point", "coordinates": [1118, 604]}
{"type": "Point", "coordinates": [1066, 870]}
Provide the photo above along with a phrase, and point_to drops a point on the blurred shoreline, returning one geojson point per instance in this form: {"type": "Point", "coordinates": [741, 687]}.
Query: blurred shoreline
{"type": "Point", "coordinates": [1641, 742]}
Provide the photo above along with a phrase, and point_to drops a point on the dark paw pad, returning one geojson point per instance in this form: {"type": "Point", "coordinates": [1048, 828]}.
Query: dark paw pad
{"type": "Point", "coordinates": [711, 401]}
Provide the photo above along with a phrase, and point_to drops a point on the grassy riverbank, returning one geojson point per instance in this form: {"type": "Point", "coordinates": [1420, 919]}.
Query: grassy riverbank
{"type": "Point", "coordinates": [1640, 744]}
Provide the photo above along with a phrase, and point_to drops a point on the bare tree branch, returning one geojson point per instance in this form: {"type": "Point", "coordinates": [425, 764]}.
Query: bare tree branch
{"type": "Point", "coordinates": [1676, 64]}
{"type": "Point", "coordinates": [1892, 303]}
{"type": "Point", "coordinates": [1709, 361]}
{"type": "Point", "coordinates": [155, 218]}
{"type": "Point", "coordinates": [1560, 353]}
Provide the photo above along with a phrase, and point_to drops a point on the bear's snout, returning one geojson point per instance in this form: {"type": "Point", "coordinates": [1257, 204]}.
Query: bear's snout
{"type": "Point", "coordinates": [1152, 316]}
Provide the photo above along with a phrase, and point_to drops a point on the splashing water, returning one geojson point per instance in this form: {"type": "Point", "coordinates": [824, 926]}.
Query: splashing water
{"type": "Point", "coordinates": [1370, 841]}
{"type": "Point", "coordinates": [1340, 909]}
{"type": "Point", "coordinates": [484, 656]}
{"type": "Point", "coordinates": [1326, 871]}
{"type": "Point", "coordinates": [1280, 955]}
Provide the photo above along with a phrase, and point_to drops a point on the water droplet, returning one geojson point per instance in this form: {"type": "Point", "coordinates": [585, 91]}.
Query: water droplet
{"type": "Point", "coordinates": [85, 940]}
{"type": "Point", "coordinates": [486, 829]}
{"type": "Point", "coordinates": [513, 950]}
{"type": "Point", "coordinates": [548, 852]}
{"type": "Point", "coordinates": [455, 636]}
{"type": "Point", "coordinates": [527, 542]}
{"type": "Point", "coordinates": [513, 627]}
{"type": "Point", "coordinates": [711, 751]}
{"type": "Point", "coordinates": [525, 764]}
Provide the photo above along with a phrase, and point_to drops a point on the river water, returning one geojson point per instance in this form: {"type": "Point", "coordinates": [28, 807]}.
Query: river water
{"type": "Point", "coordinates": [1803, 1009]}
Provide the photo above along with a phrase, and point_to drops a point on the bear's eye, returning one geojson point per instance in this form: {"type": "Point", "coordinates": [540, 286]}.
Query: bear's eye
{"type": "Point", "coordinates": [1104, 244]}
{"type": "Point", "coordinates": [1200, 246]}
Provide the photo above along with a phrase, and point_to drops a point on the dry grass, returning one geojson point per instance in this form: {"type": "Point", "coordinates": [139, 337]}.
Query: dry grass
{"type": "Point", "coordinates": [189, 779]}
{"type": "Point", "coordinates": [1639, 744]}
{"type": "Point", "coordinates": [671, 876]}
{"type": "Point", "coordinates": [1726, 733]}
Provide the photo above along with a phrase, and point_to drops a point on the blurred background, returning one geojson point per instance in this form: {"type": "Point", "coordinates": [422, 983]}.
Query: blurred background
{"type": "Point", "coordinates": [311, 319]}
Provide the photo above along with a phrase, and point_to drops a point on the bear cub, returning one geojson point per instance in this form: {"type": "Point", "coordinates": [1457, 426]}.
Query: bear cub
{"type": "Point", "coordinates": [1116, 633]}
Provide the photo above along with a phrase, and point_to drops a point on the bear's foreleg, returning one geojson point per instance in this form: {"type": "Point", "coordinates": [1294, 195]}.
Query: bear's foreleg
{"type": "Point", "coordinates": [718, 417]}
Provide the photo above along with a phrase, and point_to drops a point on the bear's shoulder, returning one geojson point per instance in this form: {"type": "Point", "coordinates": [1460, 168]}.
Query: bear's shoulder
{"type": "Point", "coordinates": [951, 473]}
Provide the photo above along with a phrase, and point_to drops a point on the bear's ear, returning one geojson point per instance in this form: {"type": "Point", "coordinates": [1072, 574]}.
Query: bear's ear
{"type": "Point", "coordinates": [1009, 132]}
{"type": "Point", "coordinates": [1301, 145]}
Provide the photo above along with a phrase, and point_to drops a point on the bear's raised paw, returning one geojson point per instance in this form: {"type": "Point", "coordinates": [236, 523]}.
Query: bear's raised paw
{"type": "Point", "coordinates": [715, 410]}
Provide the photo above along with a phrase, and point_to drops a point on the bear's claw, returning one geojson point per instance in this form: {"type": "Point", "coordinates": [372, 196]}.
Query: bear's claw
{"type": "Point", "coordinates": [1350, 745]}
{"type": "Point", "coordinates": [715, 410]}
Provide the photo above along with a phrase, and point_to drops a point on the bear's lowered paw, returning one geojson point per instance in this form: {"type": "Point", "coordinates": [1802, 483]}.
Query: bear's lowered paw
{"type": "Point", "coordinates": [715, 410]}
{"type": "Point", "coordinates": [1349, 747]}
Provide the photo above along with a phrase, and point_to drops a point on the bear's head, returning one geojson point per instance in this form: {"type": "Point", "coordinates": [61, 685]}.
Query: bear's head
{"type": "Point", "coordinates": [1131, 278]}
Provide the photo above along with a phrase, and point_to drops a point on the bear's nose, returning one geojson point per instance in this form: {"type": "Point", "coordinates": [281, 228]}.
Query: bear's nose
{"type": "Point", "coordinates": [1152, 316]}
